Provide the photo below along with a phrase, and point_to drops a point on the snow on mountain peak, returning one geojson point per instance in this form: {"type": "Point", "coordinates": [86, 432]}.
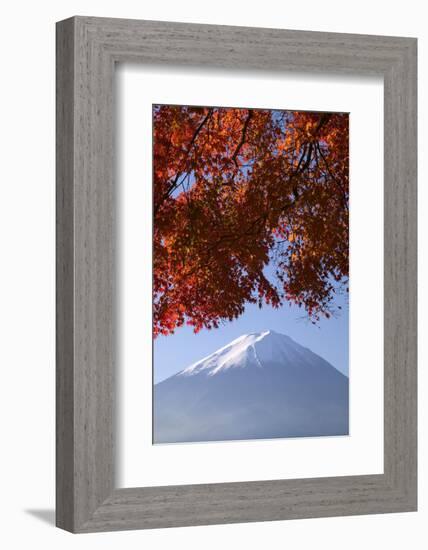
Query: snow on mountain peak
{"type": "Point", "coordinates": [252, 349]}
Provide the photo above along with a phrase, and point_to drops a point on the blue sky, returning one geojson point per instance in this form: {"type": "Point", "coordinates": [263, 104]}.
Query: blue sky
{"type": "Point", "coordinates": [329, 338]}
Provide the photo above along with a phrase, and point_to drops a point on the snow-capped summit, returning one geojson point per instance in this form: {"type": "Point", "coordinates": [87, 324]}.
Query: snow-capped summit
{"type": "Point", "coordinates": [254, 349]}
{"type": "Point", "coordinates": [260, 385]}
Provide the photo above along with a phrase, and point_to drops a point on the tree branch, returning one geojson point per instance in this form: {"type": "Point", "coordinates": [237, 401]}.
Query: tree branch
{"type": "Point", "coordinates": [175, 182]}
{"type": "Point", "coordinates": [242, 141]}
{"type": "Point", "coordinates": [337, 182]}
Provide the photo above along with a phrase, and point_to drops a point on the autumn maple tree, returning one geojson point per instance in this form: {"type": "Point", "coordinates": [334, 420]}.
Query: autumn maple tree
{"type": "Point", "coordinates": [250, 206]}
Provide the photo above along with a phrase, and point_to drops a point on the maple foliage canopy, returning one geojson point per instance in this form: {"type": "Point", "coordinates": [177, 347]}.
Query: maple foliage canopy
{"type": "Point", "coordinates": [236, 191]}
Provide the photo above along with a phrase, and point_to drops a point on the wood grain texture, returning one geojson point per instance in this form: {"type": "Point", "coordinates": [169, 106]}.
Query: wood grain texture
{"type": "Point", "coordinates": [87, 50]}
{"type": "Point", "coordinates": [64, 276]}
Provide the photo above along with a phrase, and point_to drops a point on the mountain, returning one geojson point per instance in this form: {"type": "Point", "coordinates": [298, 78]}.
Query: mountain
{"type": "Point", "coordinates": [260, 386]}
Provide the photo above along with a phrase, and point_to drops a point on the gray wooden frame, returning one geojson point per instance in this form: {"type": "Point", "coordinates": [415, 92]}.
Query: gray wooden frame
{"type": "Point", "coordinates": [87, 50]}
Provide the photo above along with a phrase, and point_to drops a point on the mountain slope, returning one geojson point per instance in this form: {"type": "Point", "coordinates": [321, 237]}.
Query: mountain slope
{"type": "Point", "coordinates": [261, 385]}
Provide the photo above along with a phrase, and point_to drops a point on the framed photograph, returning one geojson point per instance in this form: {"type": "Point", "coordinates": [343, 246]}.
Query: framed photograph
{"type": "Point", "coordinates": [236, 274]}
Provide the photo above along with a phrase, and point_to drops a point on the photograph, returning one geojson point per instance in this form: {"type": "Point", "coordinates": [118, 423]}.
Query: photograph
{"type": "Point", "coordinates": [250, 274]}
